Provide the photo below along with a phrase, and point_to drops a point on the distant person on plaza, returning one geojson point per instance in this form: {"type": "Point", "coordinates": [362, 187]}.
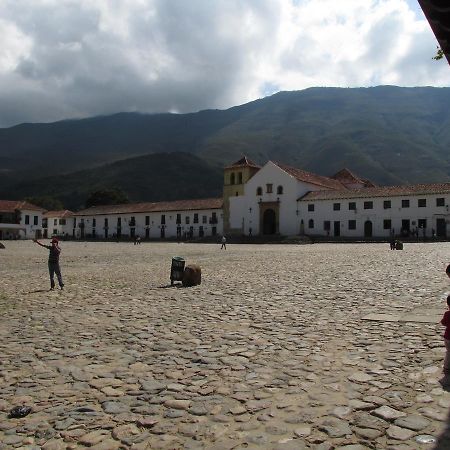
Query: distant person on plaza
{"type": "Point", "coordinates": [53, 262]}
{"type": "Point", "coordinates": [446, 322]}
{"type": "Point", "coordinates": [224, 243]}
{"type": "Point", "coordinates": [392, 243]}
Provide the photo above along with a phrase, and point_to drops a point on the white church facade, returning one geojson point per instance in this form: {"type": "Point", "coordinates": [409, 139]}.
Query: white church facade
{"type": "Point", "coordinates": [279, 199]}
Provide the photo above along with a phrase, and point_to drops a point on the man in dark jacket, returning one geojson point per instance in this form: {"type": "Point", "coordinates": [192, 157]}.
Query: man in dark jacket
{"type": "Point", "coordinates": [53, 262]}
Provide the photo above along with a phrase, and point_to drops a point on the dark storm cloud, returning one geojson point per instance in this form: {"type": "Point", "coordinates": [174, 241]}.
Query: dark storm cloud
{"type": "Point", "coordinates": [64, 58]}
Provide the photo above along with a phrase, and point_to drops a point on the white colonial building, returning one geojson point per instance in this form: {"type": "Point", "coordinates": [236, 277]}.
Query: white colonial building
{"type": "Point", "coordinates": [57, 223]}
{"type": "Point", "coordinates": [178, 219]}
{"type": "Point", "coordinates": [20, 220]}
{"type": "Point", "coordinates": [271, 200]}
{"type": "Point", "coordinates": [279, 199]}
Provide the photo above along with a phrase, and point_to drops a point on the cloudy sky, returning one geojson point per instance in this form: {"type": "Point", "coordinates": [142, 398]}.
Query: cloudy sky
{"type": "Point", "coordinates": [77, 58]}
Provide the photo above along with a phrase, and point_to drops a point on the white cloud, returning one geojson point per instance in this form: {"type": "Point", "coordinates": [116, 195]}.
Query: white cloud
{"type": "Point", "coordinates": [73, 58]}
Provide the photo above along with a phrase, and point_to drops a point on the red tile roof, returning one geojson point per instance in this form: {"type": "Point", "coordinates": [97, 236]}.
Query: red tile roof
{"type": "Point", "coordinates": [346, 177]}
{"type": "Point", "coordinates": [380, 191]}
{"type": "Point", "coordinates": [178, 205]}
{"type": "Point", "coordinates": [61, 214]}
{"type": "Point", "coordinates": [243, 162]}
{"type": "Point", "coordinates": [312, 178]}
{"type": "Point", "coordinates": [13, 205]}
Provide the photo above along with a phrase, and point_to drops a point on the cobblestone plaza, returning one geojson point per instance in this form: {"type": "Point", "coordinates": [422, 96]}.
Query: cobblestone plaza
{"type": "Point", "coordinates": [273, 350]}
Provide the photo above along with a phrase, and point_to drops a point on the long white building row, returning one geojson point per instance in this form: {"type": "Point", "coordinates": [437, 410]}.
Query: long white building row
{"type": "Point", "coordinates": [273, 199]}
{"type": "Point", "coordinates": [284, 200]}
{"type": "Point", "coordinates": [163, 220]}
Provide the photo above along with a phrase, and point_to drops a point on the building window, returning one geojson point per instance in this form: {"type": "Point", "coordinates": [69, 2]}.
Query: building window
{"type": "Point", "coordinates": [422, 202]}
{"type": "Point", "coordinates": [440, 201]}
{"type": "Point", "coordinates": [195, 218]}
{"type": "Point", "coordinates": [36, 220]}
{"type": "Point", "coordinates": [204, 219]}
{"type": "Point", "coordinates": [27, 220]}
{"type": "Point", "coordinates": [55, 222]}
{"type": "Point", "coordinates": [214, 217]}
{"type": "Point", "coordinates": [310, 223]}
{"type": "Point", "coordinates": [106, 223]}
{"type": "Point", "coordinates": [422, 223]}
{"type": "Point", "coordinates": [178, 218]}
{"type": "Point", "coordinates": [326, 225]}
{"type": "Point", "coordinates": [119, 222]}
{"type": "Point", "coordinates": [259, 191]}
{"type": "Point", "coordinates": [352, 206]}
{"type": "Point", "coordinates": [187, 219]}
{"type": "Point", "coordinates": [387, 224]}
{"type": "Point", "coordinates": [147, 220]}
{"type": "Point", "coordinates": [279, 190]}
{"type": "Point", "coordinates": [368, 205]}
{"type": "Point", "coordinates": [311, 207]}
{"type": "Point", "coordinates": [240, 178]}
{"type": "Point", "coordinates": [387, 204]}
{"type": "Point", "coordinates": [269, 188]}
{"type": "Point", "coordinates": [336, 206]}
{"type": "Point", "coordinates": [94, 222]}
{"type": "Point", "coordinates": [163, 219]}
{"type": "Point", "coordinates": [352, 224]}
{"type": "Point", "coordinates": [405, 203]}
{"type": "Point", "coordinates": [63, 221]}
{"type": "Point", "coordinates": [232, 179]}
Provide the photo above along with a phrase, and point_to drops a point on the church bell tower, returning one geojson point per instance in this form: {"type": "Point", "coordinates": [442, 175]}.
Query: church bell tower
{"type": "Point", "coordinates": [234, 178]}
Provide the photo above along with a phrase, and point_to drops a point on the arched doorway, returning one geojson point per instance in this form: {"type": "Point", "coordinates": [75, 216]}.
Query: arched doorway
{"type": "Point", "coordinates": [269, 222]}
{"type": "Point", "coordinates": [367, 228]}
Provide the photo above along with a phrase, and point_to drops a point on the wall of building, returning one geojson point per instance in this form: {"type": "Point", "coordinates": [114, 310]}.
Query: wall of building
{"type": "Point", "coordinates": [324, 211]}
{"type": "Point", "coordinates": [32, 222]}
{"type": "Point", "coordinates": [246, 211]}
{"type": "Point", "coordinates": [151, 228]}
{"type": "Point", "coordinates": [57, 226]}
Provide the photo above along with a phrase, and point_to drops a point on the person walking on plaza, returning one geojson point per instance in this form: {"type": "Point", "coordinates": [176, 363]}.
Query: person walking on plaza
{"type": "Point", "coordinates": [224, 243]}
{"type": "Point", "coordinates": [53, 262]}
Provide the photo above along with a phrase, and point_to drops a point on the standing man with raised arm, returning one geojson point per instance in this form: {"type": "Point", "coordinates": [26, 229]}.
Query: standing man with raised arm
{"type": "Point", "coordinates": [53, 262]}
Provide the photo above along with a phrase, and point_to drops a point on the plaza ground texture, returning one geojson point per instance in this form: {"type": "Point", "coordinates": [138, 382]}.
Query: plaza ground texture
{"type": "Point", "coordinates": [271, 351]}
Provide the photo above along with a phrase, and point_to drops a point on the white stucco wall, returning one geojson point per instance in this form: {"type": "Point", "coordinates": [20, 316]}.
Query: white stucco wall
{"type": "Point", "coordinates": [154, 226]}
{"type": "Point", "coordinates": [244, 210]}
{"type": "Point", "coordinates": [59, 228]}
{"type": "Point", "coordinates": [323, 211]}
{"type": "Point", "coordinates": [34, 226]}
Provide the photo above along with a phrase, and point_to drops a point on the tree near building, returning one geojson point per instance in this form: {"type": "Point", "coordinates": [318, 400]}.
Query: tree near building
{"type": "Point", "coordinates": [47, 202]}
{"type": "Point", "coordinates": [106, 197]}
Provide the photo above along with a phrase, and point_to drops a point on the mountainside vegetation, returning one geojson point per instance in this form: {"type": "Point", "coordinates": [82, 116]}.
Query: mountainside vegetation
{"type": "Point", "coordinates": [156, 177]}
{"type": "Point", "coordinates": [388, 134]}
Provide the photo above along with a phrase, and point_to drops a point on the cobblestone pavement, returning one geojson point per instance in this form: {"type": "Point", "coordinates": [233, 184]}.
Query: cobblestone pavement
{"type": "Point", "coordinates": [269, 352]}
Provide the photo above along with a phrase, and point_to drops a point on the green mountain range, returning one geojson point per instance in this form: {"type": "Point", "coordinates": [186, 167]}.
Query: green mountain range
{"type": "Point", "coordinates": [388, 134]}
